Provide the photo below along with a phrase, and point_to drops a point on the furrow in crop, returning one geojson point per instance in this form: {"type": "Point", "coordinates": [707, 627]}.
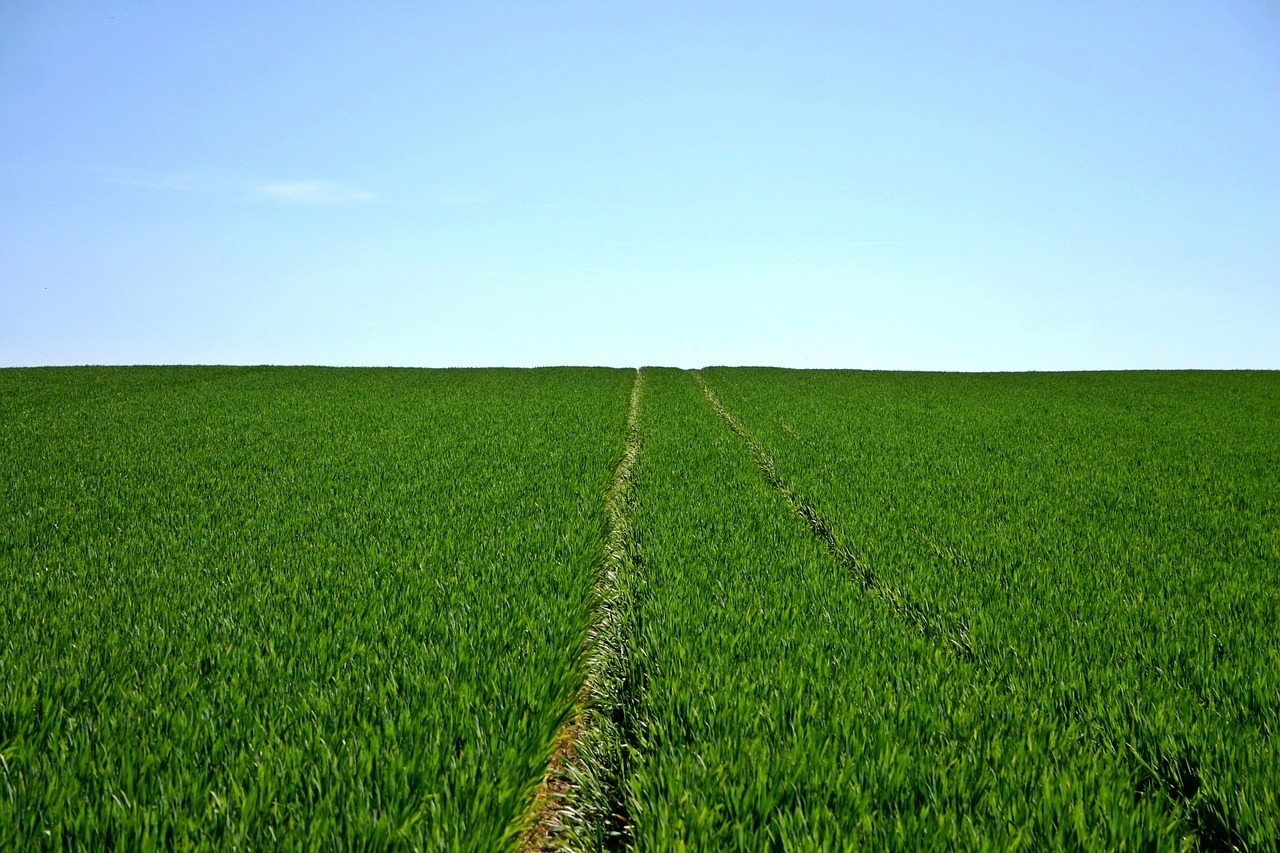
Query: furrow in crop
{"type": "Point", "coordinates": [954, 634]}
{"type": "Point", "coordinates": [578, 805]}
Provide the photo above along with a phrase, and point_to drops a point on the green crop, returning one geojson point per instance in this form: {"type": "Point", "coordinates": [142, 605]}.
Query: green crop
{"type": "Point", "coordinates": [307, 608]}
{"type": "Point", "coordinates": [1095, 552]}
{"type": "Point", "coordinates": [734, 609]}
{"type": "Point", "coordinates": [781, 708]}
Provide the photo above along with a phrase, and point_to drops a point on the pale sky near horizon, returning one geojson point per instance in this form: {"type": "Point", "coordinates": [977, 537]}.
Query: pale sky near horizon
{"type": "Point", "coordinates": [887, 185]}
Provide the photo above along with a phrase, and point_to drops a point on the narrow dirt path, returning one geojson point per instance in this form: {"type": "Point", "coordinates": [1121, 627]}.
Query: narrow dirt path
{"type": "Point", "coordinates": [577, 805]}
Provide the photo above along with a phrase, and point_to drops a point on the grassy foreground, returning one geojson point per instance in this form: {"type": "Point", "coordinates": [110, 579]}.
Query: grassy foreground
{"type": "Point", "coordinates": [253, 608]}
{"type": "Point", "coordinates": [250, 608]}
{"type": "Point", "coordinates": [1043, 611]}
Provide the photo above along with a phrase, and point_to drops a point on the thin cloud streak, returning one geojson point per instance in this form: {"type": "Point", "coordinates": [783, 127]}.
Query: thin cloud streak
{"type": "Point", "coordinates": [312, 192]}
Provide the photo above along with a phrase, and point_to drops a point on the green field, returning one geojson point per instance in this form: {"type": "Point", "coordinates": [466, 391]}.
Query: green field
{"type": "Point", "coordinates": [309, 608]}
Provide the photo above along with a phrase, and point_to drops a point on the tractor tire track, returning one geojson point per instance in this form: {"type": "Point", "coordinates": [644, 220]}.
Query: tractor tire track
{"type": "Point", "coordinates": [927, 619]}
{"type": "Point", "coordinates": [578, 804]}
{"type": "Point", "coordinates": [1158, 768]}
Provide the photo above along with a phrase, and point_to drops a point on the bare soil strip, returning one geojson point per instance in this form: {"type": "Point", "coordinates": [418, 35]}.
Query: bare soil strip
{"type": "Point", "coordinates": [923, 617]}
{"type": "Point", "coordinates": [577, 805]}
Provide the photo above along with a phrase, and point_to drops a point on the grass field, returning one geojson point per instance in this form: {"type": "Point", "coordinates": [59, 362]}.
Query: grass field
{"type": "Point", "coordinates": [314, 608]}
{"type": "Point", "coordinates": [339, 608]}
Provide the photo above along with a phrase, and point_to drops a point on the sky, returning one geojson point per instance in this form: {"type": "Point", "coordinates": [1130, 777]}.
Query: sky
{"type": "Point", "coordinates": [880, 185]}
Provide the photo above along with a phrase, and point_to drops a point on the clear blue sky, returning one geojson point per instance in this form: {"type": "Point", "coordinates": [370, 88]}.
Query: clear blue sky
{"type": "Point", "coordinates": [945, 185]}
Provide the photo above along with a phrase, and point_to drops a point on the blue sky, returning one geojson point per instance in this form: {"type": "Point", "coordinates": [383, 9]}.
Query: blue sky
{"type": "Point", "coordinates": [906, 185]}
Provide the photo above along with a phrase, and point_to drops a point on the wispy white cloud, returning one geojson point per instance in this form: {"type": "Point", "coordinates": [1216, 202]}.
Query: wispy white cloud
{"type": "Point", "coordinates": [312, 192]}
{"type": "Point", "coordinates": [295, 192]}
{"type": "Point", "coordinates": [179, 182]}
